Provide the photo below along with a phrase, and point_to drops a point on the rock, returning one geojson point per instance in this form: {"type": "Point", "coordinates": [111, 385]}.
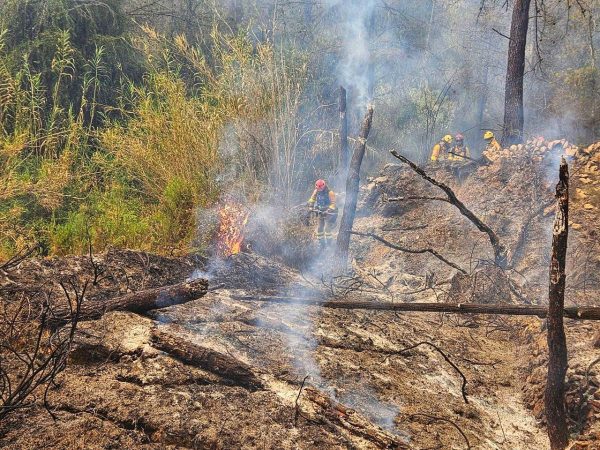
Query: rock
{"type": "Point", "coordinates": [571, 151]}
{"type": "Point", "coordinates": [589, 206]}
{"type": "Point", "coordinates": [553, 144]}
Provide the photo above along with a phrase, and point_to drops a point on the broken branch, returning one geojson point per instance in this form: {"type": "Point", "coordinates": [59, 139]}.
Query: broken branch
{"type": "Point", "coordinates": [410, 250]}
{"type": "Point", "coordinates": [499, 250]}
{"type": "Point", "coordinates": [448, 360]}
{"type": "Point", "coordinates": [441, 419]}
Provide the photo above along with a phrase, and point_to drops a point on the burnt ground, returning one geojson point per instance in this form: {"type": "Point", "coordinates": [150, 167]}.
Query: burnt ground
{"type": "Point", "coordinates": [363, 390]}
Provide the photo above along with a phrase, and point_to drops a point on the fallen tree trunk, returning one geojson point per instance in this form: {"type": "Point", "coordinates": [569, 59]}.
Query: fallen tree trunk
{"type": "Point", "coordinates": [206, 358]}
{"type": "Point", "coordinates": [556, 415]}
{"type": "Point", "coordinates": [572, 312]}
{"type": "Point", "coordinates": [137, 302]}
{"type": "Point", "coordinates": [500, 256]}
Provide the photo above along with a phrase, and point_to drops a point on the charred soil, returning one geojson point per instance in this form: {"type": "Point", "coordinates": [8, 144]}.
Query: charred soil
{"type": "Point", "coordinates": [235, 370]}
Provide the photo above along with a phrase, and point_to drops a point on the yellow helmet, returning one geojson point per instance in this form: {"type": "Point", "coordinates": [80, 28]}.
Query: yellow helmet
{"type": "Point", "coordinates": [488, 135]}
{"type": "Point", "coordinates": [447, 138]}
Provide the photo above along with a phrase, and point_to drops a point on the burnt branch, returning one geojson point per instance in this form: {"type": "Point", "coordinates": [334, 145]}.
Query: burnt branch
{"type": "Point", "coordinates": [499, 250]}
{"type": "Point", "coordinates": [221, 364]}
{"type": "Point", "coordinates": [410, 250]}
{"type": "Point", "coordinates": [296, 405]}
{"type": "Point", "coordinates": [31, 354]}
{"type": "Point", "coordinates": [98, 269]}
{"type": "Point", "coordinates": [442, 419]}
{"type": "Point", "coordinates": [448, 360]}
{"type": "Point", "coordinates": [19, 258]}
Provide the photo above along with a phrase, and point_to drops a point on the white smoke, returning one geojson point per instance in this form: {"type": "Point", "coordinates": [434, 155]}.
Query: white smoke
{"type": "Point", "coordinates": [356, 48]}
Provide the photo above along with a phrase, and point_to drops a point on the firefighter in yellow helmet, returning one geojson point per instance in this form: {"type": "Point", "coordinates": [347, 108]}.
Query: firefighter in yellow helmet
{"type": "Point", "coordinates": [322, 203]}
{"type": "Point", "coordinates": [492, 149]}
{"type": "Point", "coordinates": [440, 150]}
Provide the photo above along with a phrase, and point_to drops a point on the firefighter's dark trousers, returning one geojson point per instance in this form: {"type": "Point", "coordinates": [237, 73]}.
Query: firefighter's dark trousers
{"type": "Point", "coordinates": [325, 226]}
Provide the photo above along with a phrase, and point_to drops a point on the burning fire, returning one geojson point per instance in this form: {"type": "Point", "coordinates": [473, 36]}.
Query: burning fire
{"type": "Point", "coordinates": [232, 221]}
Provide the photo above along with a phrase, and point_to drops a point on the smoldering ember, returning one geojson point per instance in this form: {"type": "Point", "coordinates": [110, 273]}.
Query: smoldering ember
{"type": "Point", "coordinates": [314, 224]}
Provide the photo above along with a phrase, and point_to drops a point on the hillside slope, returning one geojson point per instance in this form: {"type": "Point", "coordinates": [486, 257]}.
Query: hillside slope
{"type": "Point", "coordinates": [329, 378]}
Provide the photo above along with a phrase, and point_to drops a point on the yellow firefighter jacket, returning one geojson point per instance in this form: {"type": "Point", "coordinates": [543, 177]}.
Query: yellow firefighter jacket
{"type": "Point", "coordinates": [440, 151]}
{"type": "Point", "coordinates": [492, 150]}
{"type": "Point", "coordinates": [323, 199]}
{"type": "Point", "coordinates": [458, 152]}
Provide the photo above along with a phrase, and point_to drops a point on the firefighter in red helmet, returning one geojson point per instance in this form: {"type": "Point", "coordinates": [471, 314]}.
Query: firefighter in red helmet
{"type": "Point", "coordinates": [322, 203]}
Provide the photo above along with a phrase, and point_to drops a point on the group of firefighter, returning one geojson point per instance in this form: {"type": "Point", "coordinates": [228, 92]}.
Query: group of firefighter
{"type": "Point", "coordinates": [322, 200]}
{"type": "Point", "coordinates": [454, 149]}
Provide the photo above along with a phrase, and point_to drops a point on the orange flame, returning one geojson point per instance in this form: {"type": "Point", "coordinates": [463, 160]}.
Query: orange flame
{"type": "Point", "coordinates": [232, 221]}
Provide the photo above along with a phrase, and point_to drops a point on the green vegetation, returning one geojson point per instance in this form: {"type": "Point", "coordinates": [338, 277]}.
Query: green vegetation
{"type": "Point", "coordinates": [112, 138]}
{"type": "Point", "coordinates": [120, 119]}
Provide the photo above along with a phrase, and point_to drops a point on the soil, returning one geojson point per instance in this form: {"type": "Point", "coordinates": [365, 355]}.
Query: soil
{"type": "Point", "coordinates": [333, 378]}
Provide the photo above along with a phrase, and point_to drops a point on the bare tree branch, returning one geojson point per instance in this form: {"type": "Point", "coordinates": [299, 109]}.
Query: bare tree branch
{"type": "Point", "coordinates": [499, 250]}
{"type": "Point", "coordinates": [410, 250]}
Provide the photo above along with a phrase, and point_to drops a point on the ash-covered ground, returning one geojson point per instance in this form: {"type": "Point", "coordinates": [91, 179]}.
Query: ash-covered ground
{"type": "Point", "coordinates": [284, 374]}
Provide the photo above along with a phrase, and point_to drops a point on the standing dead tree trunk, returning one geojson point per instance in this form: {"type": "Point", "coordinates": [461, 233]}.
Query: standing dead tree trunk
{"type": "Point", "coordinates": [344, 150]}
{"type": "Point", "coordinates": [557, 344]}
{"type": "Point", "coordinates": [512, 132]}
{"type": "Point", "coordinates": [500, 257]}
{"type": "Point", "coordinates": [352, 184]}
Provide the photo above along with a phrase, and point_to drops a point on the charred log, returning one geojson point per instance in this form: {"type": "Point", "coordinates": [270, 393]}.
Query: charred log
{"type": "Point", "coordinates": [557, 344]}
{"type": "Point", "coordinates": [137, 302]}
{"type": "Point", "coordinates": [572, 312]}
{"type": "Point", "coordinates": [206, 358]}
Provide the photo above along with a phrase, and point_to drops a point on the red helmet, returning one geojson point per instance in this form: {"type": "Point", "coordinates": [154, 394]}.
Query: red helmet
{"type": "Point", "coordinates": [459, 137]}
{"type": "Point", "coordinates": [320, 185]}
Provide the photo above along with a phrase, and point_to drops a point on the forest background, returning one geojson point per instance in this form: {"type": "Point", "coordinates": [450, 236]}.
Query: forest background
{"type": "Point", "coordinates": [121, 121]}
